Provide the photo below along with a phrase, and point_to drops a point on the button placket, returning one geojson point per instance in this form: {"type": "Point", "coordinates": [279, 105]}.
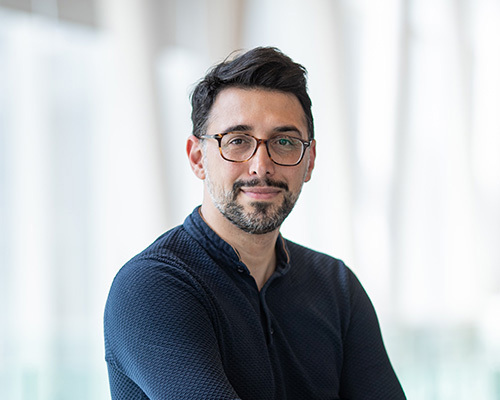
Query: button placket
{"type": "Point", "coordinates": [267, 314]}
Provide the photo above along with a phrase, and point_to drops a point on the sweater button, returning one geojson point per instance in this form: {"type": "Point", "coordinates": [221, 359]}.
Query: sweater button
{"type": "Point", "coordinates": [240, 269]}
{"type": "Point", "coordinates": [272, 331]}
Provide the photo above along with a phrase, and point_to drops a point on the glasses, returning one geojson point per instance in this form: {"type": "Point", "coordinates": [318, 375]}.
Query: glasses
{"type": "Point", "coordinates": [240, 147]}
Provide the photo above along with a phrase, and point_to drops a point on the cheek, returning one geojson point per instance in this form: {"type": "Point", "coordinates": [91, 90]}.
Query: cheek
{"type": "Point", "coordinates": [298, 178]}
{"type": "Point", "coordinates": [230, 171]}
{"type": "Point", "coordinates": [223, 174]}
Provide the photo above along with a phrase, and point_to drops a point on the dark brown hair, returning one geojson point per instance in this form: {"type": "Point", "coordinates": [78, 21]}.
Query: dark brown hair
{"type": "Point", "coordinates": [261, 67]}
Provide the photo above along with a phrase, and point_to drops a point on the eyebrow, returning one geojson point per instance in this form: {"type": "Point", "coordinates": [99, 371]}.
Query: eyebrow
{"type": "Point", "coordinates": [248, 128]}
{"type": "Point", "coordinates": [238, 128]}
{"type": "Point", "coordinates": [287, 128]}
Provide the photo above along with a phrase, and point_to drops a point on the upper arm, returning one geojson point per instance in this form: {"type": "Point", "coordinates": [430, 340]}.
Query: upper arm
{"type": "Point", "coordinates": [160, 334]}
{"type": "Point", "coordinates": [366, 372]}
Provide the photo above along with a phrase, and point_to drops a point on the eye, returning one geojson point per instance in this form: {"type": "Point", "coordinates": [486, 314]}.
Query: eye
{"type": "Point", "coordinates": [286, 141]}
{"type": "Point", "coordinates": [237, 140]}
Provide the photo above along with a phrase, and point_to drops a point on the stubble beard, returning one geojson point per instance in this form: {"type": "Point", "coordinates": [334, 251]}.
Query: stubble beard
{"type": "Point", "coordinates": [264, 218]}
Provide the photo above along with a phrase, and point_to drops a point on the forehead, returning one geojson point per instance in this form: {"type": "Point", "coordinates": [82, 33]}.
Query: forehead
{"type": "Point", "coordinates": [259, 109]}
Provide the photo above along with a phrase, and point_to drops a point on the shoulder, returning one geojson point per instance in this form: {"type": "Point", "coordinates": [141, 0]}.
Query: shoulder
{"type": "Point", "coordinates": [301, 256]}
{"type": "Point", "coordinates": [158, 267]}
{"type": "Point", "coordinates": [312, 266]}
{"type": "Point", "coordinates": [153, 290]}
{"type": "Point", "coordinates": [161, 276]}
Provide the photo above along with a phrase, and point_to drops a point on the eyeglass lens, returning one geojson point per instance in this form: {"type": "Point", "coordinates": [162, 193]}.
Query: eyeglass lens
{"type": "Point", "coordinates": [283, 149]}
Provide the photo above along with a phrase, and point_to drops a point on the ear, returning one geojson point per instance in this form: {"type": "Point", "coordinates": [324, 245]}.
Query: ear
{"type": "Point", "coordinates": [195, 156]}
{"type": "Point", "coordinates": [312, 159]}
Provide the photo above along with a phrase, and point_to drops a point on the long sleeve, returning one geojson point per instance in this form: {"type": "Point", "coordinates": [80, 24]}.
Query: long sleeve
{"type": "Point", "coordinates": [367, 373]}
{"type": "Point", "coordinates": [160, 338]}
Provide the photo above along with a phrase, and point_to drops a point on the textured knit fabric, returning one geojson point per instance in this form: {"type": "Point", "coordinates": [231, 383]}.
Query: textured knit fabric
{"type": "Point", "coordinates": [185, 320]}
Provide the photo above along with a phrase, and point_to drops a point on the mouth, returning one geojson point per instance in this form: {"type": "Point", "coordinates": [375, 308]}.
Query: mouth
{"type": "Point", "coordinates": [261, 193]}
{"type": "Point", "coordinates": [260, 189]}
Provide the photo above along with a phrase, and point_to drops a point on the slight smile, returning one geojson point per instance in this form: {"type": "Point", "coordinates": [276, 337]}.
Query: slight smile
{"type": "Point", "coordinates": [261, 193]}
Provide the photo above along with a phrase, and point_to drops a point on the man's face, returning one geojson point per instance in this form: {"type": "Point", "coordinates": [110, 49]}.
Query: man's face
{"type": "Point", "coordinates": [256, 195]}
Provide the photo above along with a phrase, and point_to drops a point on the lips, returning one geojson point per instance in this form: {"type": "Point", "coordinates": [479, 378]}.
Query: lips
{"type": "Point", "coordinates": [261, 193]}
{"type": "Point", "coordinates": [259, 189]}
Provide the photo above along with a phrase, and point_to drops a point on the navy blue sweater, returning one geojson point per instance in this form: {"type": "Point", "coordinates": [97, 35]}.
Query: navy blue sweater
{"type": "Point", "coordinates": [185, 320]}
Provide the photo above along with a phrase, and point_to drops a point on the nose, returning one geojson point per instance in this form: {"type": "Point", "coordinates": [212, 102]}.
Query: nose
{"type": "Point", "coordinates": [261, 164]}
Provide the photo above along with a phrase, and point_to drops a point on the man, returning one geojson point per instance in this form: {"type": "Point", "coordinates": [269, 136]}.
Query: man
{"type": "Point", "coordinates": [222, 307]}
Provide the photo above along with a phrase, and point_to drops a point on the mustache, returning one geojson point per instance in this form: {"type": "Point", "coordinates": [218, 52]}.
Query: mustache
{"type": "Point", "coordinates": [259, 182]}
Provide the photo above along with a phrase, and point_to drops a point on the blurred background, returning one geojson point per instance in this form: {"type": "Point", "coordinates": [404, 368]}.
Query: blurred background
{"type": "Point", "coordinates": [94, 116]}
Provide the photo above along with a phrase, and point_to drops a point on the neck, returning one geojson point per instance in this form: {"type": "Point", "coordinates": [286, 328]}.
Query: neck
{"type": "Point", "coordinates": [256, 251]}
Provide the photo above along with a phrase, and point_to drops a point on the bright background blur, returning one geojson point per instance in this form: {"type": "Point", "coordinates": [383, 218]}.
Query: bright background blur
{"type": "Point", "coordinates": [94, 116]}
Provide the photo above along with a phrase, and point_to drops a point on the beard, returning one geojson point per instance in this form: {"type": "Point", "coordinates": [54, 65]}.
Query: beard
{"type": "Point", "coordinates": [264, 217]}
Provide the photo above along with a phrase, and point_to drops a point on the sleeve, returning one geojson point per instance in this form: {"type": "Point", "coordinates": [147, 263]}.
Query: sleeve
{"type": "Point", "coordinates": [367, 373]}
{"type": "Point", "coordinates": [159, 337]}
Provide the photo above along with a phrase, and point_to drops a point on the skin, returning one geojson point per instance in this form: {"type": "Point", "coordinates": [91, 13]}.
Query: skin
{"type": "Point", "coordinates": [267, 113]}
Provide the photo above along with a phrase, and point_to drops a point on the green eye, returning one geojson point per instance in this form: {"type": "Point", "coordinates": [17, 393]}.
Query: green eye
{"type": "Point", "coordinates": [284, 142]}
